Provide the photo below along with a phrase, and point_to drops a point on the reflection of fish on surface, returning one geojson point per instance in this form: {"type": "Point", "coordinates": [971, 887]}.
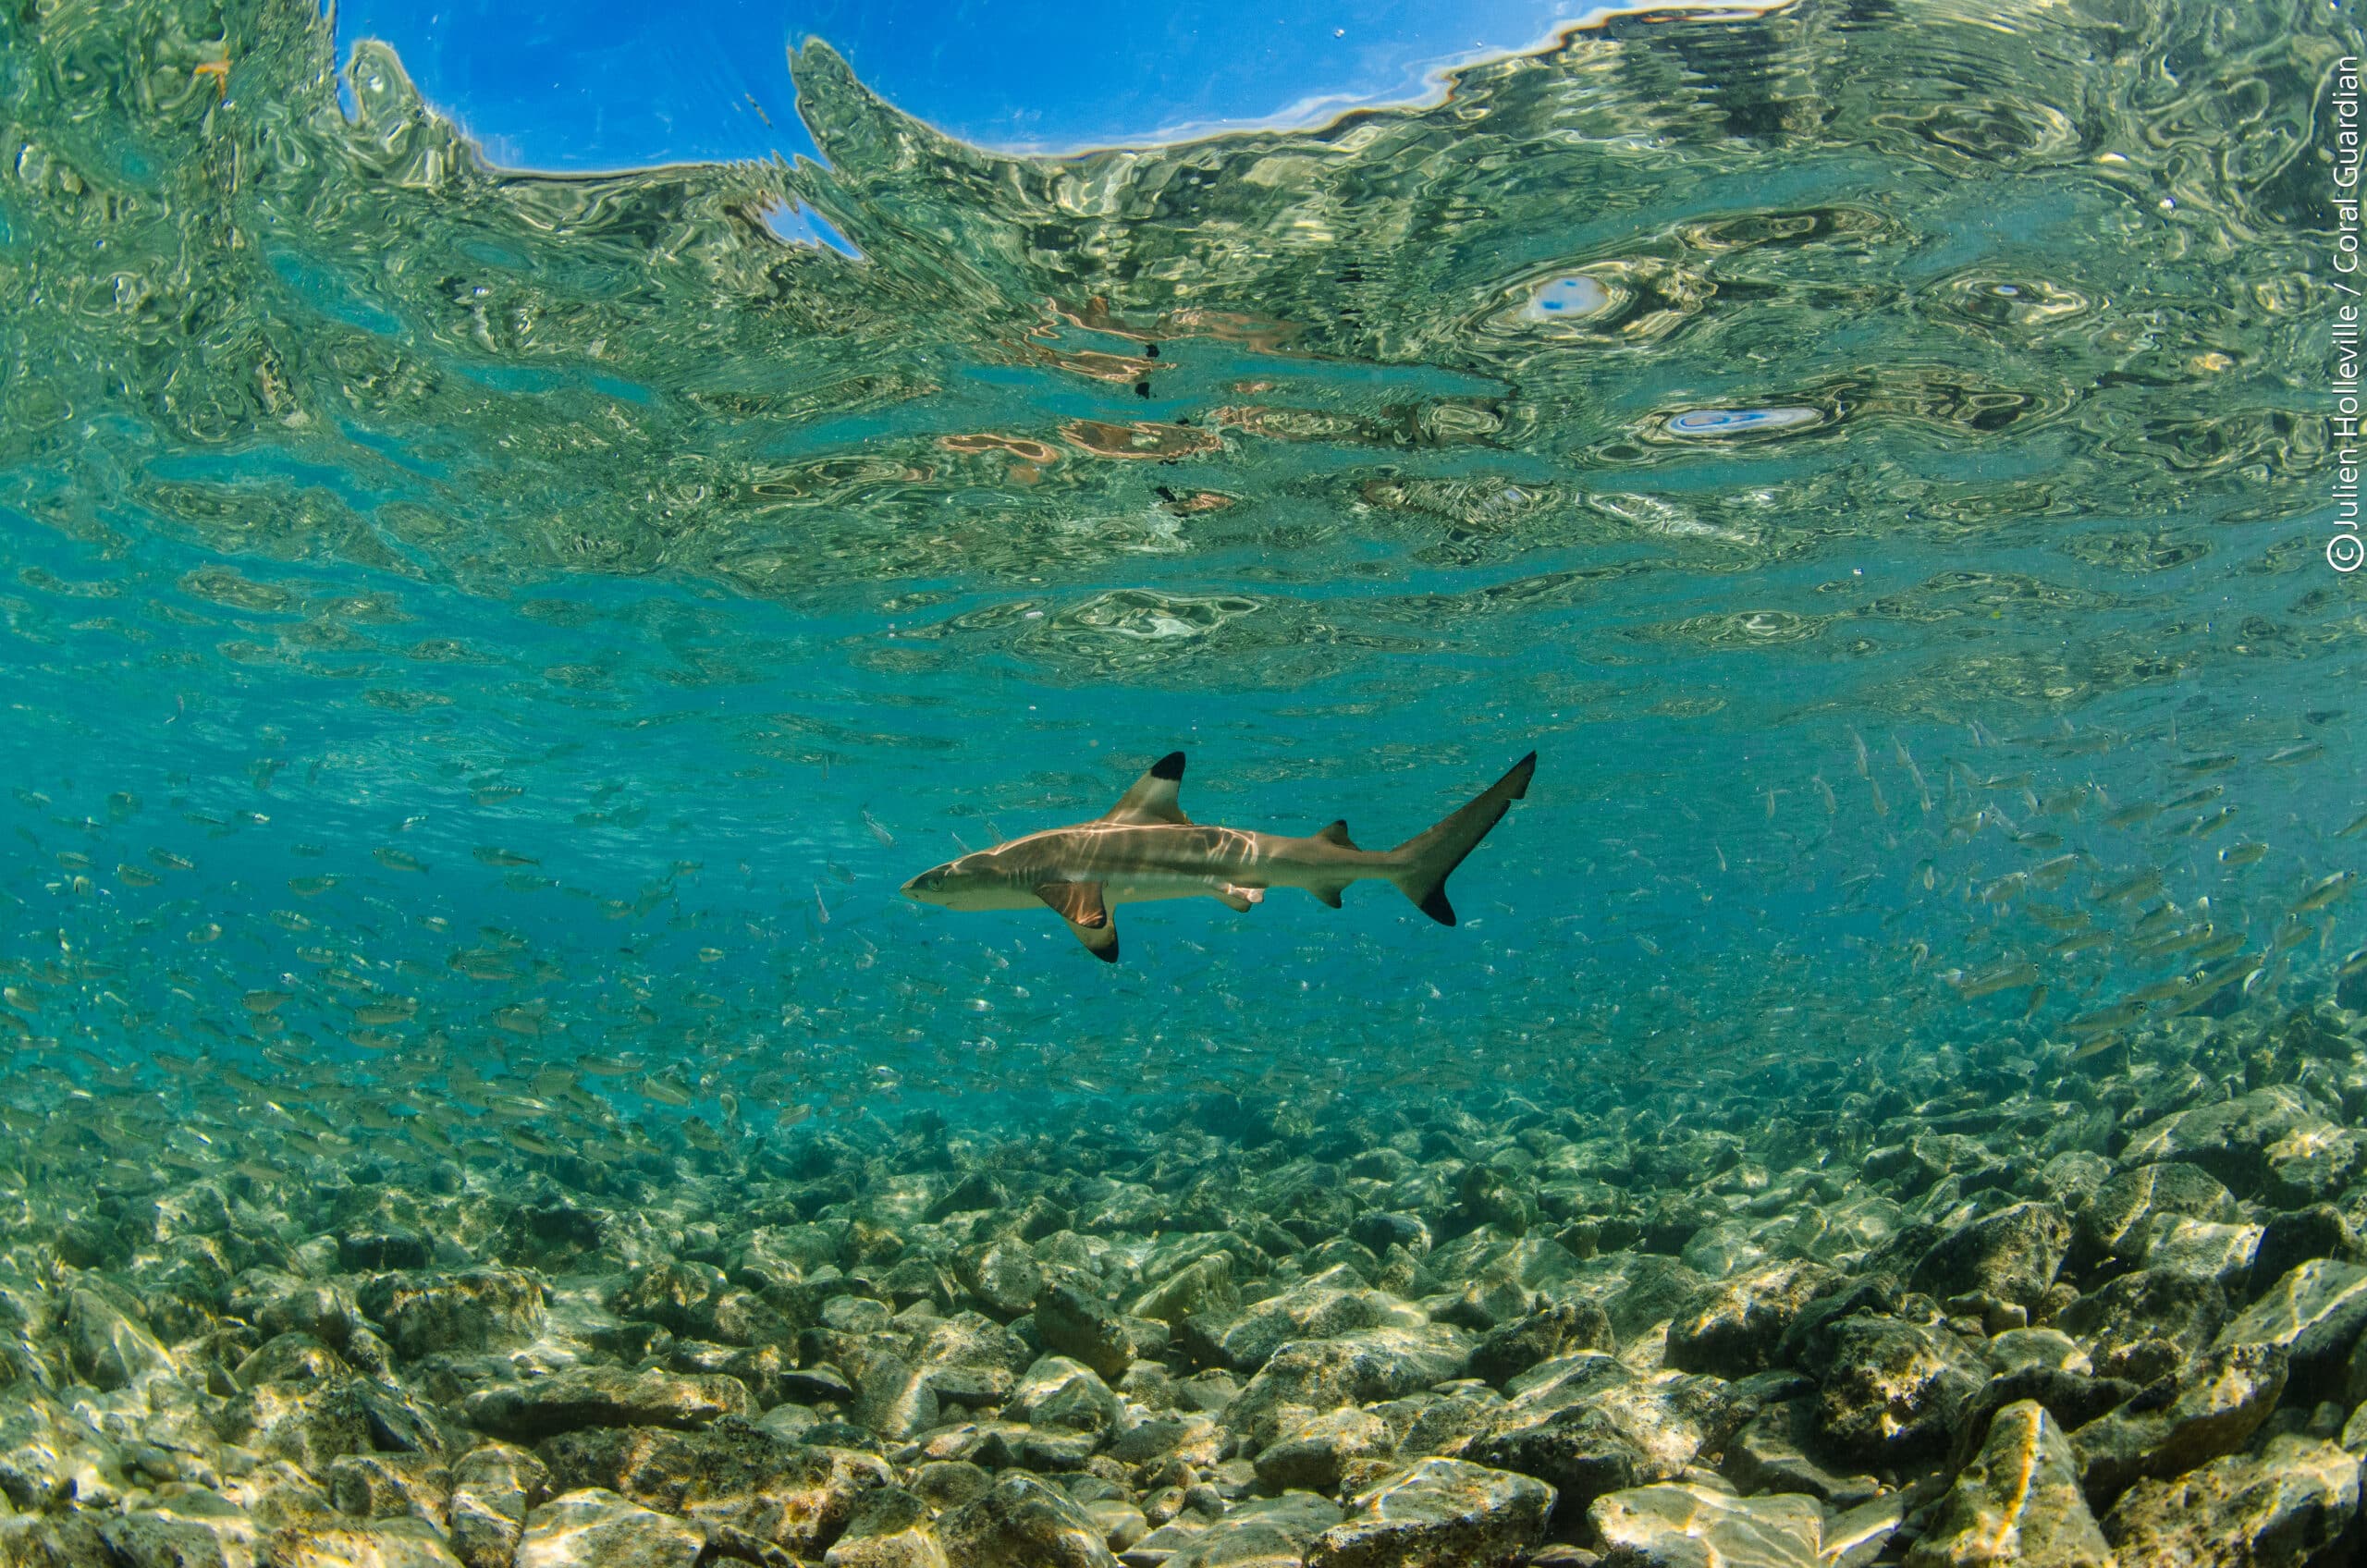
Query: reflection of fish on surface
{"type": "Point", "coordinates": [1145, 848]}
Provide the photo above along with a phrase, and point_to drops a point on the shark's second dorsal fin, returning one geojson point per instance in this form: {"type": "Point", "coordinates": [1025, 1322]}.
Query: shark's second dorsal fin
{"type": "Point", "coordinates": [1152, 800]}
{"type": "Point", "coordinates": [1336, 833]}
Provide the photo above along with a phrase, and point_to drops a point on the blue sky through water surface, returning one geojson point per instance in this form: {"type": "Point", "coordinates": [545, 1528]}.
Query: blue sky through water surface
{"type": "Point", "coordinates": [610, 84]}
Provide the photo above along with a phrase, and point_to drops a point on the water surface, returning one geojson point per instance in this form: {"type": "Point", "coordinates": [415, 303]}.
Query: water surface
{"type": "Point", "coordinates": [547, 617]}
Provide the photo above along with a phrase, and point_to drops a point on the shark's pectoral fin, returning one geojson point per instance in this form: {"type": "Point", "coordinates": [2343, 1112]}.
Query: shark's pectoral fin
{"type": "Point", "coordinates": [1100, 941]}
{"type": "Point", "coordinates": [1327, 891]}
{"type": "Point", "coordinates": [1240, 899]}
{"type": "Point", "coordinates": [1079, 904]}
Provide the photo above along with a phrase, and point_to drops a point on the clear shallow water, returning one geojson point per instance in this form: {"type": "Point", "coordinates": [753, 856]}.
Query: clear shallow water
{"type": "Point", "coordinates": [460, 623]}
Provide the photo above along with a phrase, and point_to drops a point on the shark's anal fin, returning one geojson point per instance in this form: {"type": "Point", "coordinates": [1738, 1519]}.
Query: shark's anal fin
{"type": "Point", "coordinates": [1152, 798]}
{"type": "Point", "coordinates": [1329, 892]}
{"type": "Point", "coordinates": [1080, 904]}
{"type": "Point", "coordinates": [1336, 833]}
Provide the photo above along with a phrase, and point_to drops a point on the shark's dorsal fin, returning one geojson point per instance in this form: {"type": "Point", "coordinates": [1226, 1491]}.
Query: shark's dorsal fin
{"type": "Point", "coordinates": [1152, 800]}
{"type": "Point", "coordinates": [1336, 833]}
{"type": "Point", "coordinates": [1080, 904]}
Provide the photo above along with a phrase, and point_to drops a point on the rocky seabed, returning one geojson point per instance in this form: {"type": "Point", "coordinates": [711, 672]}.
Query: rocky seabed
{"type": "Point", "coordinates": [2107, 1312]}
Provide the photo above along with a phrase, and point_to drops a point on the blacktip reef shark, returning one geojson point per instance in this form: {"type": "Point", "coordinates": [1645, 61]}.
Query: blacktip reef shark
{"type": "Point", "coordinates": [1146, 848]}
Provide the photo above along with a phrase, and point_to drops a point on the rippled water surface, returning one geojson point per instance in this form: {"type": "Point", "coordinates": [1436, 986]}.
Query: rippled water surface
{"type": "Point", "coordinates": [470, 632]}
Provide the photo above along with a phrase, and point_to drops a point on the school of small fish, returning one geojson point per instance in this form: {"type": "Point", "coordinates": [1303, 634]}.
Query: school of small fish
{"type": "Point", "coordinates": [382, 1015]}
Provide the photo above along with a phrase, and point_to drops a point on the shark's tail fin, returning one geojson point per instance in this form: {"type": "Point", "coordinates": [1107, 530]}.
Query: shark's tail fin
{"type": "Point", "coordinates": [1427, 858]}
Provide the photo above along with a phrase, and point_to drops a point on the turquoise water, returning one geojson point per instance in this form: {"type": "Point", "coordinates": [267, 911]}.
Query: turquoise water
{"type": "Point", "coordinates": [547, 618]}
{"type": "Point", "coordinates": [482, 651]}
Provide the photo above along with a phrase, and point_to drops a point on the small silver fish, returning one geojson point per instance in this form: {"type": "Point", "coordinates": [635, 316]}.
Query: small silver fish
{"type": "Point", "coordinates": [2012, 978]}
{"type": "Point", "coordinates": [2323, 892]}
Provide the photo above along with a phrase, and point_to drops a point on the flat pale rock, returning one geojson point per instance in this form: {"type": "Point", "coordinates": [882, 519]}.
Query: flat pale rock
{"type": "Point", "coordinates": [1260, 1533]}
{"type": "Point", "coordinates": [2230, 1140]}
{"type": "Point", "coordinates": [971, 1358]}
{"type": "Point", "coordinates": [2311, 1165]}
{"type": "Point", "coordinates": [2118, 1220]}
{"type": "Point", "coordinates": [2048, 1348]}
{"type": "Point", "coordinates": [1022, 1522]}
{"type": "Point", "coordinates": [590, 1528]}
{"type": "Point", "coordinates": [107, 1348]}
{"type": "Point", "coordinates": [2316, 1311]}
{"type": "Point", "coordinates": [2281, 1508]}
{"type": "Point", "coordinates": [1683, 1526]}
{"type": "Point", "coordinates": [2143, 1325]}
{"type": "Point", "coordinates": [494, 1485]}
{"type": "Point", "coordinates": [277, 1494]}
{"type": "Point", "coordinates": [1594, 1427]}
{"type": "Point", "coordinates": [890, 1529]}
{"type": "Point", "coordinates": [1855, 1538]}
{"type": "Point", "coordinates": [45, 1449]}
{"type": "Point", "coordinates": [1121, 1523]}
{"type": "Point", "coordinates": [1361, 1367]}
{"type": "Point", "coordinates": [391, 1485]}
{"type": "Point", "coordinates": [1732, 1329]}
{"type": "Point", "coordinates": [2203, 1248]}
{"type": "Point", "coordinates": [383, 1543]}
{"type": "Point", "coordinates": [1553, 1331]}
{"type": "Point", "coordinates": [474, 1310]}
{"type": "Point", "coordinates": [1892, 1390]}
{"type": "Point", "coordinates": [915, 1546]}
{"type": "Point", "coordinates": [2011, 1254]}
{"type": "Point", "coordinates": [604, 1396]}
{"type": "Point", "coordinates": [1057, 1391]}
{"type": "Point", "coordinates": [2214, 1409]}
{"type": "Point", "coordinates": [1332, 1303]}
{"type": "Point", "coordinates": [1769, 1455]}
{"type": "Point", "coordinates": [1002, 1275]}
{"type": "Point", "coordinates": [1315, 1454]}
{"type": "Point", "coordinates": [1722, 1248]}
{"type": "Point", "coordinates": [2018, 1501]}
{"type": "Point", "coordinates": [1086, 1329]}
{"type": "Point", "coordinates": [1204, 1284]}
{"type": "Point", "coordinates": [1841, 1233]}
{"type": "Point", "coordinates": [1437, 1514]}
{"type": "Point", "coordinates": [184, 1525]}
{"type": "Point", "coordinates": [798, 1496]}
{"type": "Point", "coordinates": [893, 1397]}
